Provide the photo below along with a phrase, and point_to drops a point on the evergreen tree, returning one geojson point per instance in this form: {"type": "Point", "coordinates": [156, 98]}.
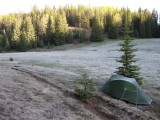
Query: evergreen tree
{"type": "Point", "coordinates": [113, 32]}
{"type": "Point", "coordinates": [69, 37]}
{"type": "Point", "coordinates": [64, 21]}
{"type": "Point", "coordinates": [81, 36]}
{"type": "Point", "coordinates": [35, 17]}
{"type": "Point", "coordinates": [41, 27]}
{"type": "Point", "coordinates": [86, 88]}
{"type": "Point", "coordinates": [112, 26]}
{"type": "Point", "coordinates": [16, 34]}
{"type": "Point", "coordinates": [7, 25]}
{"type": "Point", "coordinates": [128, 68]}
{"type": "Point", "coordinates": [28, 28]}
{"type": "Point", "coordinates": [108, 22]}
{"type": "Point", "coordinates": [148, 28]}
{"type": "Point", "coordinates": [60, 29]}
{"type": "Point", "coordinates": [50, 31]}
{"type": "Point", "coordinates": [59, 33]}
{"type": "Point", "coordinates": [0, 43]}
{"type": "Point", "coordinates": [136, 35]}
{"type": "Point", "coordinates": [96, 34]}
{"type": "Point", "coordinates": [23, 42]}
{"type": "Point", "coordinates": [85, 23]}
{"type": "Point", "coordinates": [30, 33]}
{"type": "Point", "coordinates": [6, 45]}
{"type": "Point", "coordinates": [136, 24]}
{"type": "Point", "coordinates": [116, 25]}
{"type": "Point", "coordinates": [159, 31]}
{"type": "Point", "coordinates": [154, 26]}
{"type": "Point", "coordinates": [142, 31]}
{"type": "Point", "coordinates": [5, 42]}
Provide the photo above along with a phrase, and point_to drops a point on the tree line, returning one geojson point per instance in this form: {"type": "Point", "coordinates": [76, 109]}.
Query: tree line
{"type": "Point", "coordinates": [49, 26]}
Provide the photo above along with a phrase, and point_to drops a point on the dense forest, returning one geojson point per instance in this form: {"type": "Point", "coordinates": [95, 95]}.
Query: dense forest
{"type": "Point", "coordinates": [58, 26]}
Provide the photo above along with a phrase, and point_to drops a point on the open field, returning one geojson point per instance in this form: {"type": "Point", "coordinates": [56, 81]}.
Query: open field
{"type": "Point", "coordinates": [39, 85]}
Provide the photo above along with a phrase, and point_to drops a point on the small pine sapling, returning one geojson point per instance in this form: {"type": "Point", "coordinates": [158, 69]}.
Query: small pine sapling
{"type": "Point", "coordinates": [86, 88]}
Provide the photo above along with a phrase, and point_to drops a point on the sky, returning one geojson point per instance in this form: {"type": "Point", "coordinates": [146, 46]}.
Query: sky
{"type": "Point", "coordinates": [12, 6]}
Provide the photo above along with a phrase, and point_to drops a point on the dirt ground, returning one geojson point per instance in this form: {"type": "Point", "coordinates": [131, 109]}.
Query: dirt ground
{"type": "Point", "coordinates": [40, 85]}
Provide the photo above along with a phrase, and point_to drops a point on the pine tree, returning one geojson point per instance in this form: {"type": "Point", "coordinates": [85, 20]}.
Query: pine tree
{"type": "Point", "coordinates": [35, 17]}
{"type": "Point", "coordinates": [16, 34]}
{"type": "Point", "coordinates": [85, 23]}
{"type": "Point", "coordinates": [142, 31]}
{"type": "Point", "coordinates": [148, 28]}
{"type": "Point", "coordinates": [128, 68]}
{"type": "Point", "coordinates": [69, 37]}
{"type": "Point", "coordinates": [154, 23]}
{"type": "Point", "coordinates": [113, 32]}
{"type": "Point", "coordinates": [23, 42]}
{"type": "Point", "coordinates": [59, 33]}
{"type": "Point", "coordinates": [64, 21]}
{"type": "Point", "coordinates": [60, 29]}
{"type": "Point", "coordinates": [50, 31]}
{"type": "Point", "coordinates": [159, 30]}
{"type": "Point", "coordinates": [1, 46]}
{"type": "Point", "coordinates": [39, 31]}
{"type": "Point", "coordinates": [136, 35]}
{"type": "Point", "coordinates": [96, 34]}
{"type": "Point", "coordinates": [86, 88]}
{"type": "Point", "coordinates": [41, 28]}
{"type": "Point", "coordinates": [29, 32]}
{"type": "Point", "coordinates": [108, 22]}
{"type": "Point", "coordinates": [2, 42]}
{"type": "Point", "coordinates": [5, 42]}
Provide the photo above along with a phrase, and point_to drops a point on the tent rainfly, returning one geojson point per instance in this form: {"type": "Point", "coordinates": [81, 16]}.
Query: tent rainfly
{"type": "Point", "coordinates": [126, 89]}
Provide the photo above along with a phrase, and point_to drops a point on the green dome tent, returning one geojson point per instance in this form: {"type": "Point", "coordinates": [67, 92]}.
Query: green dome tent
{"type": "Point", "coordinates": [126, 89]}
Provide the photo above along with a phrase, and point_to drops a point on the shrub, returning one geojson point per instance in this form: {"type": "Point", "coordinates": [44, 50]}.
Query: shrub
{"type": "Point", "coordinates": [86, 88]}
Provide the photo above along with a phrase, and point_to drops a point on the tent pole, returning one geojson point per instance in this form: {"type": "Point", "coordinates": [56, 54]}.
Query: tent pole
{"type": "Point", "coordinates": [137, 97]}
{"type": "Point", "coordinates": [123, 92]}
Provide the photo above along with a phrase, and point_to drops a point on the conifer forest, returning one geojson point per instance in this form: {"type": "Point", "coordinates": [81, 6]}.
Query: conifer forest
{"type": "Point", "coordinates": [53, 26]}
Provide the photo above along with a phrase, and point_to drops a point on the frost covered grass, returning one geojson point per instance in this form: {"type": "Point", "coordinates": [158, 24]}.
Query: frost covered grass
{"type": "Point", "coordinates": [57, 71]}
{"type": "Point", "coordinates": [97, 59]}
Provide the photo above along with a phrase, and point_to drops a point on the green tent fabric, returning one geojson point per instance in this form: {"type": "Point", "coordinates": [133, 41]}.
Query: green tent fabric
{"type": "Point", "coordinates": [126, 89]}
